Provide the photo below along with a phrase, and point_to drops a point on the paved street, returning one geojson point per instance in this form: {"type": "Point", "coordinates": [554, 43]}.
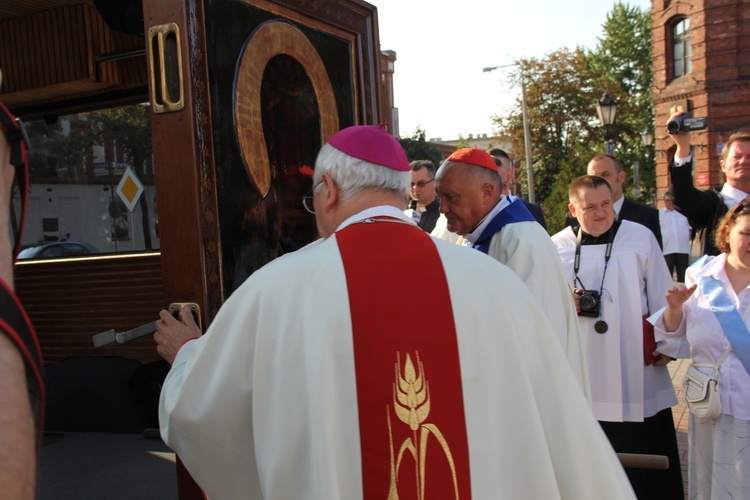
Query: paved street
{"type": "Point", "coordinates": [680, 413]}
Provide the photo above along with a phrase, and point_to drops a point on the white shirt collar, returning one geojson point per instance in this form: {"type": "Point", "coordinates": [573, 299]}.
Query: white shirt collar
{"type": "Point", "coordinates": [618, 206]}
{"type": "Point", "coordinates": [732, 196]}
{"type": "Point", "coordinates": [476, 233]}
{"type": "Point", "coordinates": [713, 266]}
{"type": "Point", "coordinates": [379, 211]}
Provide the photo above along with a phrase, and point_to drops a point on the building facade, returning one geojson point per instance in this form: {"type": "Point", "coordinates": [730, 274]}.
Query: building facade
{"type": "Point", "coordinates": [701, 61]}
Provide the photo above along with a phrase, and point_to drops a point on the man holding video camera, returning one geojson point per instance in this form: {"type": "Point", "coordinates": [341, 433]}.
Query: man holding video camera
{"type": "Point", "coordinates": [617, 270]}
{"type": "Point", "coordinates": [705, 208]}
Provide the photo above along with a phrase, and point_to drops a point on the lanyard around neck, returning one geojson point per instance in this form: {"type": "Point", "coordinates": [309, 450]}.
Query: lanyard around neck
{"type": "Point", "coordinates": [607, 255]}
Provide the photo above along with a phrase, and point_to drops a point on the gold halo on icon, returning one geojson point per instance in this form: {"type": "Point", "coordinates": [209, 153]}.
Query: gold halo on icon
{"type": "Point", "coordinates": [268, 41]}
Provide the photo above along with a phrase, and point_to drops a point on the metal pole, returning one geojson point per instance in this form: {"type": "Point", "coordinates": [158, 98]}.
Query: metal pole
{"type": "Point", "coordinates": [636, 180]}
{"type": "Point", "coordinates": [526, 132]}
{"type": "Point", "coordinates": [527, 141]}
{"type": "Point", "coordinates": [610, 148]}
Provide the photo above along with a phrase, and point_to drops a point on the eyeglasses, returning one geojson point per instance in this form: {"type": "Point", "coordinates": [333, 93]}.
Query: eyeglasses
{"type": "Point", "coordinates": [420, 184]}
{"type": "Point", "coordinates": [307, 200]}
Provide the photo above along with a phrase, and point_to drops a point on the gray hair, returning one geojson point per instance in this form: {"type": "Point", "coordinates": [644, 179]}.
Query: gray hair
{"type": "Point", "coordinates": [353, 175]}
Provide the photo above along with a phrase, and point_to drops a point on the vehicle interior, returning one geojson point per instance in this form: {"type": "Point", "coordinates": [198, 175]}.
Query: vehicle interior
{"type": "Point", "coordinates": [176, 137]}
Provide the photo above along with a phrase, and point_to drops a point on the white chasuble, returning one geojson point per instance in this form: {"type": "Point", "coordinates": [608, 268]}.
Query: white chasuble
{"type": "Point", "coordinates": [527, 249]}
{"type": "Point", "coordinates": [269, 403]}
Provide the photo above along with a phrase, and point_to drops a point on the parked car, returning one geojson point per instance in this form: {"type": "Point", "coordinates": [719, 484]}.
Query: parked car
{"type": "Point", "coordinates": [57, 249]}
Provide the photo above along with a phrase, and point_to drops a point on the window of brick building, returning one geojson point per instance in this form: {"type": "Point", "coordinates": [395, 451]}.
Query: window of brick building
{"type": "Point", "coordinates": [681, 47]}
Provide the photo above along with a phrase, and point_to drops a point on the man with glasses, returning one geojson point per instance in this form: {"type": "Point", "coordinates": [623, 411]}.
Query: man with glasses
{"type": "Point", "coordinates": [619, 275]}
{"type": "Point", "coordinates": [424, 206]}
{"type": "Point", "coordinates": [317, 380]}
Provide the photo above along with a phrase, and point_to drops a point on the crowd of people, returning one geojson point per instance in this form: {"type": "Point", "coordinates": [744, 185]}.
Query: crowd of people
{"type": "Point", "coordinates": [590, 317]}
{"type": "Point", "coordinates": [317, 380]}
{"type": "Point", "coordinates": [530, 361]}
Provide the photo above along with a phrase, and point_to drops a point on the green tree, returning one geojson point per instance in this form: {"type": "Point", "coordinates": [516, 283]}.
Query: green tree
{"type": "Point", "coordinates": [621, 62]}
{"type": "Point", "coordinates": [62, 153]}
{"type": "Point", "coordinates": [56, 154]}
{"type": "Point", "coordinates": [463, 142]}
{"type": "Point", "coordinates": [562, 89]}
{"type": "Point", "coordinates": [417, 147]}
{"type": "Point", "coordinates": [560, 96]}
{"type": "Point", "coordinates": [130, 128]}
{"type": "Point", "coordinates": [570, 168]}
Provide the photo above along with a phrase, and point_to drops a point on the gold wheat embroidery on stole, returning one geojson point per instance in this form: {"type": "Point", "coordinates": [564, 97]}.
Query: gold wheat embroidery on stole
{"type": "Point", "coordinates": [411, 404]}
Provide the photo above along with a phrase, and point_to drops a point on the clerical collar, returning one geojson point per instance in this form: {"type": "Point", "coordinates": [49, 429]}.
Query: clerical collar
{"type": "Point", "coordinates": [588, 239]}
{"type": "Point", "coordinates": [602, 239]}
{"type": "Point", "coordinates": [427, 207]}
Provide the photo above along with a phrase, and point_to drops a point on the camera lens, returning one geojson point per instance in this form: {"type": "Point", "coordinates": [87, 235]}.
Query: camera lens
{"type": "Point", "coordinates": [586, 302]}
{"type": "Point", "coordinates": [673, 127]}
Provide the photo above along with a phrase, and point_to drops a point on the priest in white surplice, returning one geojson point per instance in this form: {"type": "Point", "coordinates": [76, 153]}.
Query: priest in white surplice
{"type": "Point", "coordinates": [470, 191]}
{"type": "Point", "coordinates": [317, 380]}
{"type": "Point", "coordinates": [621, 262]}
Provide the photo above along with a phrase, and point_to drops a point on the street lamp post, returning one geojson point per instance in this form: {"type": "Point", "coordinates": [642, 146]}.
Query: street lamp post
{"type": "Point", "coordinates": [647, 137]}
{"type": "Point", "coordinates": [607, 109]}
{"type": "Point", "coordinates": [526, 133]}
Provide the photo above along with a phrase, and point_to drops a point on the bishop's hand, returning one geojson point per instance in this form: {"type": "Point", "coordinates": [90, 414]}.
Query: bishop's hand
{"type": "Point", "coordinates": [171, 333]}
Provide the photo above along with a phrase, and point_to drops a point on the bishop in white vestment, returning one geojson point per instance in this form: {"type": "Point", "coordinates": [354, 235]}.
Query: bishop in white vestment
{"type": "Point", "coordinates": [317, 380]}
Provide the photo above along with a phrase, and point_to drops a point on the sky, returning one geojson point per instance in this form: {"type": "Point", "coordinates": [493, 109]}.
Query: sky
{"type": "Point", "coordinates": [442, 46]}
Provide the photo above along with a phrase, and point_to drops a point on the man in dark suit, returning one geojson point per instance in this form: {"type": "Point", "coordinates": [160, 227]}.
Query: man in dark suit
{"type": "Point", "coordinates": [705, 208]}
{"type": "Point", "coordinates": [608, 167]}
{"type": "Point", "coordinates": [502, 160]}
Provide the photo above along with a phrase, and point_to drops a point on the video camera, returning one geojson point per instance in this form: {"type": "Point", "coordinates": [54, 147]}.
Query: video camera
{"type": "Point", "coordinates": [685, 123]}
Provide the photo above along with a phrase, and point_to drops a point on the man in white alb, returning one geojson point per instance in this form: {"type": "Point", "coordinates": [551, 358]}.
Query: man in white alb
{"type": "Point", "coordinates": [618, 270]}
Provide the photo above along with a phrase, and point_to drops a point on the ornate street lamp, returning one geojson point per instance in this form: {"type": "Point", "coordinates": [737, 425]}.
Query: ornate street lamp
{"type": "Point", "coordinates": [647, 136]}
{"type": "Point", "coordinates": [607, 109]}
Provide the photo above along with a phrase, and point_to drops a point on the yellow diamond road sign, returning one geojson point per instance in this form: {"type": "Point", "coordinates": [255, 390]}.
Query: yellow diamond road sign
{"type": "Point", "coordinates": [130, 189]}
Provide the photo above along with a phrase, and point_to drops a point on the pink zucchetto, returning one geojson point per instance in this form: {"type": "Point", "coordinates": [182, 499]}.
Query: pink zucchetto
{"type": "Point", "coordinates": [371, 143]}
{"type": "Point", "coordinates": [473, 156]}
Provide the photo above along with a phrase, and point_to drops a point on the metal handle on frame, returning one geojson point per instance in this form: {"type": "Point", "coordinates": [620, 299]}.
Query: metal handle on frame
{"type": "Point", "coordinates": [165, 58]}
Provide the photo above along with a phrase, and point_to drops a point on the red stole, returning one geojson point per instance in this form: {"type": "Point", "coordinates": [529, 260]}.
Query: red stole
{"type": "Point", "coordinates": [409, 394]}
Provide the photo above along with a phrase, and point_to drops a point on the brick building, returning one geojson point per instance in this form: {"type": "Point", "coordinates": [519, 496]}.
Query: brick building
{"type": "Point", "coordinates": [701, 60]}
